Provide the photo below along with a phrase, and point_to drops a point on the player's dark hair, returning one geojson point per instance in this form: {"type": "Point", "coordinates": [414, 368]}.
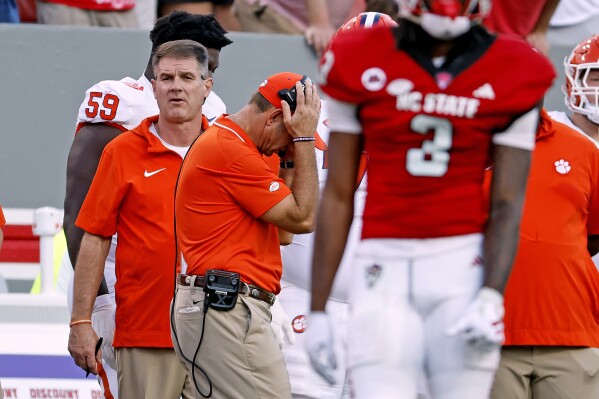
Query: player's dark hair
{"type": "Point", "coordinates": [181, 25]}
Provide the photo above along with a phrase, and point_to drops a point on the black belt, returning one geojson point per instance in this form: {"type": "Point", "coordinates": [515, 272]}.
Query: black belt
{"type": "Point", "coordinates": [244, 289]}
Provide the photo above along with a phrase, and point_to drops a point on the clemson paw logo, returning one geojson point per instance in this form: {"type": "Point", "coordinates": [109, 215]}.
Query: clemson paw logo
{"type": "Point", "coordinates": [562, 167]}
{"type": "Point", "coordinates": [299, 324]}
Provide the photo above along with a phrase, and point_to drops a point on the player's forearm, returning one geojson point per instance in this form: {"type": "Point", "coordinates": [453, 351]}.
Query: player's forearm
{"type": "Point", "coordinates": [500, 245]}
{"type": "Point", "coordinates": [502, 233]}
{"type": "Point", "coordinates": [332, 229]}
{"type": "Point", "coordinates": [89, 274]}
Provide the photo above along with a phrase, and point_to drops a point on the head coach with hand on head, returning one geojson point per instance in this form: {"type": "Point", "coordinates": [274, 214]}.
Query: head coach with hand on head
{"type": "Point", "coordinates": [228, 206]}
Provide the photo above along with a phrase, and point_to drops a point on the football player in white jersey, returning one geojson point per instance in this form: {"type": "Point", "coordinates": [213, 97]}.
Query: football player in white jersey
{"type": "Point", "coordinates": [582, 92]}
{"type": "Point", "coordinates": [109, 108]}
{"type": "Point", "coordinates": [582, 89]}
{"type": "Point", "coordinates": [295, 283]}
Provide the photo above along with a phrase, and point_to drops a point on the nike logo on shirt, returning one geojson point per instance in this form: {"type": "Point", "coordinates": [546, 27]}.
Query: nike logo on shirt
{"type": "Point", "coordinates": [148, 174]}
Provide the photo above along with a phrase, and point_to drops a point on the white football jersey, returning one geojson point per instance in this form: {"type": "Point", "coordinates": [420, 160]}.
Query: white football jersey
{"type": "Point", "coordinates": [125, 103]}
{"type": "Point", "coordinates": [297, 257]}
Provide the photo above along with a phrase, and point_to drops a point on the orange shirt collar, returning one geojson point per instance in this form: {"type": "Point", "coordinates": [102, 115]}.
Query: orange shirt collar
{"type": "Point", "coordinates": [154, 144]}
{"type": "Point", "coordinates": [229, 124]}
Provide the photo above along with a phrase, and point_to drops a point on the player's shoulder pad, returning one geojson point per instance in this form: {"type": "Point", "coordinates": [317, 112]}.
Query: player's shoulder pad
{"type": "Point", "coordinates": [524, 66]}
{"type": "Point", "coordinates": [520, 72]}
{"type": "Point", "coordinates": [114, 101]}
{"type": "Point", "coordinates": [348, 56]}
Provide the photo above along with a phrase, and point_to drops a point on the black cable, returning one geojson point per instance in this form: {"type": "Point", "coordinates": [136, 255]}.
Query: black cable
{"type": "Point", "coordinates": [206, 299]}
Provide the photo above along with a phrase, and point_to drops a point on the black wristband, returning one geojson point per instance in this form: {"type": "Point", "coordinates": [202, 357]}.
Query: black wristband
{"type": "Point", "coordinates": [287, 164]}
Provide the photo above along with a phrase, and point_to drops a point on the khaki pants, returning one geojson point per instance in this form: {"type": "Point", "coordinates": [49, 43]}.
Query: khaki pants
{"type": "Point", "coordinates": [261, 19]}
{"type": "Point", "coordinates": [239, 351]}
{"type": "Point", "coordinates": [151, 373]}
{"type": "Point", "coordinates": [545, 372]}
{"type": "Point", "coordinates": [59, 14]}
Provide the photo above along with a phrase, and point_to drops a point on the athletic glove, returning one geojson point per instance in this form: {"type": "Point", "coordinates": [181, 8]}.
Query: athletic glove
{"type": "Point", "coordinates": [103, 323]}
{"type": "Point", "coordinates": [281, 324]}
{"type": "Point", "coordinates": [319, 344]}
{"type": "Point", "coordinates": [482, 324]}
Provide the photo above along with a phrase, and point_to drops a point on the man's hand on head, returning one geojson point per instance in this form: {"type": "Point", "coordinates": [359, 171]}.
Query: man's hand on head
{"type": "Point", "coordinates": [303, 122]}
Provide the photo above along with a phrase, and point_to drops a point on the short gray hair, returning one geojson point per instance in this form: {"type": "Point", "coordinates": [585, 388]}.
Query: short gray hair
{"type": "Point", "coordinates": [182, 49]}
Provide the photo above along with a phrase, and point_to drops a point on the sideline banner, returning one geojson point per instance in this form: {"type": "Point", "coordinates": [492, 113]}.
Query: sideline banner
{"type": "Point", "coordinates": [34, 360]}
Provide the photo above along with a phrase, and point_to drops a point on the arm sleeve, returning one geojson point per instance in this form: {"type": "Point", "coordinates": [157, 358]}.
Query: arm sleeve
{"type": "Point", "coordinates": [521, 132]}
{"type": "Point", "coordinates": [254, 185]}
{"type": "Point", "coordinates": [343, 117]}
{"type": "Point", "coordinates": [98, 214]}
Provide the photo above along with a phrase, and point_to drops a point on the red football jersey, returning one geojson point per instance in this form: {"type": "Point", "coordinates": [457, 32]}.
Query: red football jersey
{"type": "Point", "coordinates": [428, 131]}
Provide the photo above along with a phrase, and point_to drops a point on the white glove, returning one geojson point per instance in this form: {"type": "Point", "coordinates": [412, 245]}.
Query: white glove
{"type": "Point", "coordinates": [319, 344]}
{"type": "Point", "coordinates": [103, 323]}
{"type": "Point", "coordinates": [482, 324]}
{"type": "Point", "coordinates": [281, 324]}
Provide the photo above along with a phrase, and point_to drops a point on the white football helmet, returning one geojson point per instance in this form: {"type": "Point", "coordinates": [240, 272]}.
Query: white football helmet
{"type": "Point", "coordinates": [582, 88]}
{"type": "Point", "coordinates": [444, 19]}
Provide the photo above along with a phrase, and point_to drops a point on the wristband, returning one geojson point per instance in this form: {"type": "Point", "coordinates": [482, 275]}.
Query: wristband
{"type": "Point", "coordinates": [76, 322]}
{"type": "Point", "coordinates": [299, 139]}
{"type": "Point", "coordinates": [286, 164]}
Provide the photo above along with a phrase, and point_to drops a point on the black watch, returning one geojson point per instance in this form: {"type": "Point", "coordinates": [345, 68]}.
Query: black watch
{"type": "Point", "coordinates": [286, 164]}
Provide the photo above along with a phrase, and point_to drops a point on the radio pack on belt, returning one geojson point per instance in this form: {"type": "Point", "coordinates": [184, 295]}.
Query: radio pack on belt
{"type": "Point", "coordinates": [222, 289]}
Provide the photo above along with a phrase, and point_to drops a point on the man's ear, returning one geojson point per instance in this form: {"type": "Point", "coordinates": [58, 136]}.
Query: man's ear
{"type": "Point", "coordinates": [208, 82]}
{"type": "Point", "coordinates": [154, 87]}
{"type": "Point", "coordinates": [274, 115]}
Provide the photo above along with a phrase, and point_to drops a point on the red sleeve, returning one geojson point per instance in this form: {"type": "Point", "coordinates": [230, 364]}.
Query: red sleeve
{"type": "Point", "coordinates": [524, 76]}
{"type": "Point", "coordinates": [341, 66]}
{"type": "Point", "coordinates": [2, 219]}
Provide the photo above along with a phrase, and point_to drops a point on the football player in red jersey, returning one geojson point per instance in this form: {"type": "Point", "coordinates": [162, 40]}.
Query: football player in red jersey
{"type": "Point", "coordinates": [295, 282]}
{"type": "Point", "coordinates": [433, 102]}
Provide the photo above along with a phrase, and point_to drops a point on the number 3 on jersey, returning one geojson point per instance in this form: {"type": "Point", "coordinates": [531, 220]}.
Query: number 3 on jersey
{"type": "Point", "coordinates": [103, 103]}
{"type": "Point", "coordinates": [432, 159]}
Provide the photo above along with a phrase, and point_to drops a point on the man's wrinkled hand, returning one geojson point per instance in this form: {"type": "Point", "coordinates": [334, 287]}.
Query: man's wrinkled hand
{"type": "Point", "coordinates": [319, 345]}
{"type": "Point", "coordinates": [482, 323]}
{"type": "Point", "coordinates": [303, 122]}
{"type": "Point", "coordinates": [82, 347]}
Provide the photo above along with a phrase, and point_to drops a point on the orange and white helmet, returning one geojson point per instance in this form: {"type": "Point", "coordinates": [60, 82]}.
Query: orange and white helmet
{"type": "Point", "coordinates": [366, 20]}
{"type": "Point", "coordinates": [582, 94]}
{"type": "Point", "coordinates": [444, 19]}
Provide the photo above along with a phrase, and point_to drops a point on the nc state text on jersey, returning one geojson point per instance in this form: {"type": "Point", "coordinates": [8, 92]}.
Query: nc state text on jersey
{"type": "Point", "coordinates": [434, 103]}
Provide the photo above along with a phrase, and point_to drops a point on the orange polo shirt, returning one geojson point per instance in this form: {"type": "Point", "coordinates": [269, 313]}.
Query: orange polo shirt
{"type": "Point", "coordinates": [552, 295]}
{"type": "Point", "coordinates": [224, 188]}
{"type": "Point", "coordinates": [132, 195]}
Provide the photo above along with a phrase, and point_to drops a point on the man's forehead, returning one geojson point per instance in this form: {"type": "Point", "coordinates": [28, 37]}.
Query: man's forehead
{"type": "Point", "coordinates": [179, 64]}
